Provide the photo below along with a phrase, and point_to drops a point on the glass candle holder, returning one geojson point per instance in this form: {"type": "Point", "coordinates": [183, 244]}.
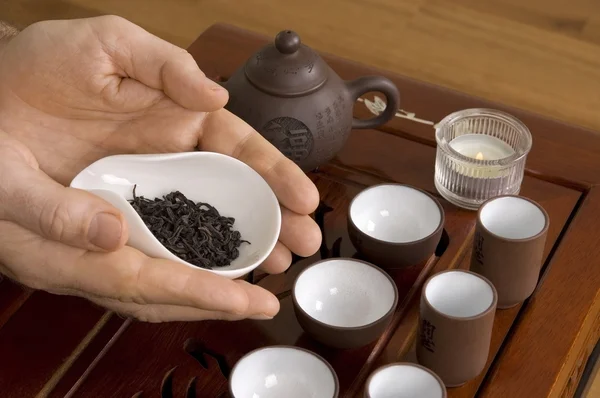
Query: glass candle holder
{"type": "Point", "coordinates": [481, 154]}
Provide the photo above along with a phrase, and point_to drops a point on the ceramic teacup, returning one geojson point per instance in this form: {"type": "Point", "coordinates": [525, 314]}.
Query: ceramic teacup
{"type": "Point", "coordinates": [404, 380]}
{"type": "Point", "coordinates": [395, 225]}
{"type": "Point", "coordinates": [508, 246]}
{"type": "Point", "coordinates": [283, 371]}
{"type": "Point", "coordinates": [344, 303]}
{"type": "Point", "coordinates": [455, 327]}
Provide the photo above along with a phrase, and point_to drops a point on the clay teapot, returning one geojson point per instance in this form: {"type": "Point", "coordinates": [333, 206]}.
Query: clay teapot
{"type": "Point", "coordinates": [290, 95]}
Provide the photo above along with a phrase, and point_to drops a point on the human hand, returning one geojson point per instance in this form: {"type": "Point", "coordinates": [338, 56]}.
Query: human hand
{"type": "Point", "coordinates": [114, 88]}
{"type": "Point", "coordinates": [49, 240]}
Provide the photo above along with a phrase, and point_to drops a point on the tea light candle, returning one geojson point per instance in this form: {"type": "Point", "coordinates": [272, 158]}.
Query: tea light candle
{"type": "Point", "coordinates": [493, 145]}
{"type": "Point", "coordinates": [481, 147]}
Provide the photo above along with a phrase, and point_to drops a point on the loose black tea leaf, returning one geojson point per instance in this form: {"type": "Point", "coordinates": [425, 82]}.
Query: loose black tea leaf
{"type": "Point", "coordinates": [194, 232]}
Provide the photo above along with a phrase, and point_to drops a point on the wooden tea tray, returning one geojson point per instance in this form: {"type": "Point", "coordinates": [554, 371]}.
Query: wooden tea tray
{"type": "Point", "coordinates": [60, 346]}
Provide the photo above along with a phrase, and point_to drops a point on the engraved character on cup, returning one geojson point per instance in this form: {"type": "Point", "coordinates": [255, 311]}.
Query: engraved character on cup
{"type": "Point", "coordinates": [478, 248]}
{"type": "Point", "coordinates": [426, 335]}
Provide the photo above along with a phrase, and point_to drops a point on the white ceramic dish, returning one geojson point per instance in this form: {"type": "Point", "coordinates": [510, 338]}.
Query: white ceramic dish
{"type": "Point", "coordinates": [345, 293]}
{"type": "Point", "coordinates": [395, 213]}
{"type": "Point", "coordinates": [283, 371]}
{"type": "Point", "coordinates": [404, 380]}
{"type": "Point", "coordinates": [231, 186]}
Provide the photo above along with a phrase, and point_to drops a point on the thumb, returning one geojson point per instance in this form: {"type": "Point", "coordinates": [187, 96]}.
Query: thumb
{"type": "Point", "coordinates": [159, 64]}
{"type": "Point", "coordinates": [30, 198]}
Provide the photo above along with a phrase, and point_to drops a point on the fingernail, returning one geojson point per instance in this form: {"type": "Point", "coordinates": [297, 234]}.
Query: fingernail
{"type": "Point", "coordinates": [261, 317]}
{"type": "Point", "coordinates": [214, 86]}
{"type": "Point", "coordinates": [105, 231]}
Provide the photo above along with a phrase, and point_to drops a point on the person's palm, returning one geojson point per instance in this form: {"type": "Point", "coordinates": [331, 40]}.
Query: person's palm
{"type": "Point", "coordinates": [75, 91]}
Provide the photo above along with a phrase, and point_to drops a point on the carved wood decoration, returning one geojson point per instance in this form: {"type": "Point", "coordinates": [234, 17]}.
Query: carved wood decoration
{"type": "Point", "coordinates": [66, 347]}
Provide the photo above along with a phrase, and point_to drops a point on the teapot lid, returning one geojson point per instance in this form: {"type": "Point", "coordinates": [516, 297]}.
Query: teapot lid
{"type": "Point", "coordinates": [286, 67]}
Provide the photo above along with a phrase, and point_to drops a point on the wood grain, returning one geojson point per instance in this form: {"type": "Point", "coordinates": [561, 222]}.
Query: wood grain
{"type": "Point", "coordinates": [402, 151]}
{"type": "Point", "coordinates": [232, 340]}
{"type": "Point", "coordinates": [38, 337]}
{"type": "Point", "coordinates": [555, 336]}
{"type": "Point", "coordinates": [551, 151]}
{"type": "Point", "coordinates": [553, 199]}
{"type": "Point", "coordinates": [337, 184]}
{"type": "Point", "coordinates": [12, 296]}
{"type": "Point", "coordinates": [538, 55]}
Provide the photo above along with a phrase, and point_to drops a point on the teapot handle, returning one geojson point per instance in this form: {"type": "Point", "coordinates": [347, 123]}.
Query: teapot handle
{"type": "Point", "coordinates": [381, 84]}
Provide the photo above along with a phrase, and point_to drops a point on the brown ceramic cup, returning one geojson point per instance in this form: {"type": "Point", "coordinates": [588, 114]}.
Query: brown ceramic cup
{"type": "Point", "coordinates": [395, 225]}
{"type": "Point", "coordinates": [343, 302]}
{"type": "Point", "coordinates": [283, 371]}
{"type": "Point", "coordinates": [404, 380]}
{"type": "Point", "coordinates": [508, 246]}
{"type": "Point", "coordinates": [455, 326]}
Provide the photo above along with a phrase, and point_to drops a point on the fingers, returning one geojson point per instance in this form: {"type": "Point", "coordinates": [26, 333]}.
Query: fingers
{"type": "Point", "coordinates": [33, 200]}
{"type": "Point", "coordinates": [299, 233]}
{"type": "Point", "coordinates": [126, 275]}
{"type": "Point", "coordinates": [158, 64]}
{"type": "Point", "coordinates": [226, 133]}
{"type": "Point", "coordinates": [278, 261]}
{"type": "Point", "coordinates": [155, 313]}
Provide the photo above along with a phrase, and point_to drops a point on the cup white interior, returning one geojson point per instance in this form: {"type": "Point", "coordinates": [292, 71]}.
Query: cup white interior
{"type": "Point", "coordinates": [404, 381]}
{"type": "Point", "coordinates": [395, 213]}
{"type": "Point", "coordinates": [277, 372]}
{"type": "Point", "coordinates": [512, 217]}
{"type": "Point", "coordinates": [345, 293]}
{"type": "Point", "coordinates": [459, 294]}
{"type": "Point", "coordinates": [231, 186]}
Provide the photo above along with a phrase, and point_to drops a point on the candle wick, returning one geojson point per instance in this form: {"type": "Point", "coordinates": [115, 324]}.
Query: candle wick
{"type": "Point", "coordinates": [479, 156]}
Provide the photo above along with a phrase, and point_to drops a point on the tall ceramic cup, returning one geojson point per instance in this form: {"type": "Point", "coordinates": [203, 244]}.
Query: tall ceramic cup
{"type": "Point", "coordinates": [455, 327]}
{"type": "Point", "coordinates": [508, 247]}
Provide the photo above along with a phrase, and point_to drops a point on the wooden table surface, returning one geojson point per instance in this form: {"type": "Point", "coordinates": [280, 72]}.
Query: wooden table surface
{"type": "Point", "coordinates": [539, 55]}
{"type": "Point", "coordinates": [66, 347]}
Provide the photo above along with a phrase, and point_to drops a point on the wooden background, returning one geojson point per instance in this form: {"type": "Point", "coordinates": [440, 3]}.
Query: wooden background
{"type": "Point", "coordinates": [540, 55]}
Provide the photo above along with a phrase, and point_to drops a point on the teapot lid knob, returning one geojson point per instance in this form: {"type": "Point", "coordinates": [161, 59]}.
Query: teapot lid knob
{"type": "Point", "coordinates": [286, 67]}
{"type": "Point", "coordinates": [287, 42]}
